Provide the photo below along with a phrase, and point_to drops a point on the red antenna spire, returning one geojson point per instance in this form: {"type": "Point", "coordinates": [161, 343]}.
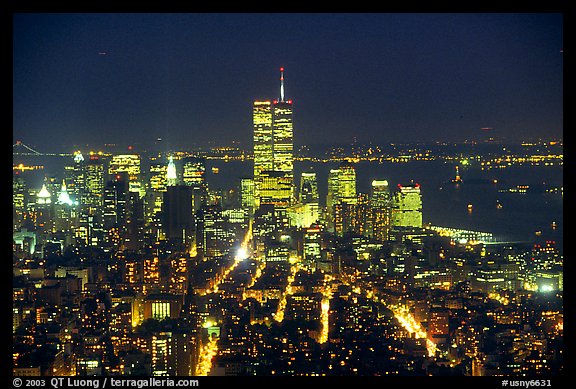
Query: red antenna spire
{"type": "Point", "coordinates": [282, 84]}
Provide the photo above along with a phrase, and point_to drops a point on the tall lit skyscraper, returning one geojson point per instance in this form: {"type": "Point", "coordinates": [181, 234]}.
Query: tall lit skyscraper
{"type": "Point", "coordinates": [283, 133]}
{"type": "Point", "coordinates": [194, 172]}
{"type": "Point", "coordinates": [129, 163]}
{"type": "Point", "coordinates": [308, 188]}
{"type": "Point", "coordinates": [407, 206]}
{"type": "Point", "coordinates": [247, 195]}
{"type": "Point", "coordinates": [171, 176]}
{"type": "Point", "coordinates": [275, 188]}
{"type": "Point", "coordinates": [306, 212]}
{"type": "Point", "coordinates": [18, 201]}
{"type": "Point", "coordinates": [381, 206]}
{"type": "Point", "coordinates": [273, 140]}
{"type": "Point", "coordinates": [347, 183]}
{"type": "Point", "coordinates": [195, 176]}
{"type": "Point", "coordinates": [94, 181]}
{"type": "Point", "coordinates": [76, 176]}
{"type": "Point", "coordinates": [332, 197]}
{"type": "Point", "coordinates": [263, 143]}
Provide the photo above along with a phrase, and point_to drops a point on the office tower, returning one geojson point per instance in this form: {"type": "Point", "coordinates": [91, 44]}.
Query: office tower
{"type": "Point", "coordinates": [172, 352]}
{"type": "Point", "coordinates": [18, 201]}
{"type": "Point", "coordinates": [75, 176]}
{"type": "Point", "coordinates": [171, 176]}
{"type": "Point", "coordinates": [64, 211]}
{"type": "Point", "coordinates": [115, 198]}
{"type": "Point", "coordinates": [344, 214]}
{"type": "Point", "coordinates": [134, 238]}
{"type": "Point", "coordinates": [273, 140]}
{"type": "Point", "coordinates": [381, 208]}
{"type": "Point", "coordinates": [312, 245]}
{"type": "Point", "coordinates": [247, 195]}
{"type": "Point", "coordinates": [275, 188]}
{"type": "Point", "coordinates": [89, 174]}
{"type": "Point", "coordinates": [94, 182]}
{"type": "Point", "coordinates": [194, 172]}
{"type": "Point", "coordinates": [195, 176]}
{"type": "Point", "coordinates": [178, 218]}
{"type": "Point", "coordinates": [129, 163]}
{"type": "Point", "coordinates": [308, 188]}
{"type": "Point", "coordinates": [213, 235]}
{"type": "Point", "coordinates": [283, 133]}
{"type": "Point", "coordinates": [53, 185]}
{"type": "Point", "coordinates": [268, 223]}
{"type": "Point", "coordinates": [178, 274]}
{"type": "Point", "coordinates": [347, 183]}
{"type": "Point", "coordinates": [157, 185]}
{"type": "Point", "coordinates": [158, 177]}
{"type": "Point", "coordinates": [407, 206]}
{"type": "Point", "coordinates": [43, 209]}
{"type": "Point", "coordinates": [361, 215]}
{"type": "Point", "coordinates": [263, 142]}
{"type": "Point", "coordinates": [332, 197]}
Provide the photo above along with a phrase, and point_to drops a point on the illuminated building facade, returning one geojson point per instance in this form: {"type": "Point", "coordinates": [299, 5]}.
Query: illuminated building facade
{"type": "Point", "coordinates": [18, 201]}
{"type": "Point", "coordinates": [381, 208]}
{"type": "Point", "coordinates": [44, 210]}
{"type": "Point", "coordinates": [94, 182]}
{"type": "Point", "coordinates": [312, 245]}
{"type": "Point", "coordinates": [213, 237]}
{"type": "Point", "coordinates": [283, 138]}
{"type": "Point", "coordinates": [171, 175]}
{"type": "Point", "coordinates": [65, 211]}
{"type": "Point", "coordinates": [407, 206]}
{"type": "Point", "coordinates": [332, 197]}
{"type": "Point", "coordinates": [75, 180]}
{"type": "Point", "coordinates": [129, 163]}
{"type": "Point", "coordinates": [263, 142]}
{"type": "Point", "coordinates": [308, 188]}
{"type": "Point", "coordinates": [195, 176]}
{"type": "Point", "coordinates": [347, 183]}
{"type": "Point", "coordinates": [275, 188]}
{"type": "Point", "coordinates": [247, 195]}
{"type": "Point", "coordinates": [273, 141]}
{"type": "Point", "coordinates": [194, 172]}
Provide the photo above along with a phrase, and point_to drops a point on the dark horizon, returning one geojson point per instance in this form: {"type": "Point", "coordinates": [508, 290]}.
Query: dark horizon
{"type": "Point", "coordinates": [380, 78]}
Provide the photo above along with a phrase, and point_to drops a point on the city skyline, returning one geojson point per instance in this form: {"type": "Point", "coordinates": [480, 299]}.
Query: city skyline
{"type": "Point", "coordinates": [369, 77]}
{"type": "Point", "coordinates": [276, 194]}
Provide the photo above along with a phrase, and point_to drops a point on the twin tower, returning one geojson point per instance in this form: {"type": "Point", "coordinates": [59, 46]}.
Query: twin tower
{"type": "Point", "coordinates": [273, 151]}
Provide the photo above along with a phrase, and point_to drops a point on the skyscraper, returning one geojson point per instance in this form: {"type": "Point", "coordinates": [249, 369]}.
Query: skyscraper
{"type": "Point", "coordinates": [308, 188]}
{"type": "Point", "coordinates": [195, 176]}
{"type": "Point", "coordinates": [273, 140]}
{"type": "Point", "coordinates": [94, 181]}
{"type": "Point", "coordinates": [171, 176]}
{"type": "Point", "coordinates": [129, 163]}
{"type": "Point", "coordinates": [332, 197]}
{"type": "Point", "coordinates": [380, 206]}
{"type": "Point", "coordinates": [283, 133]}
{"type": "Point", "coordinates": [347, 183]}
{"type": "Point", "coordinates": [247, 195]}
{"type": "Point", "coordinates": [263, 143]}
{"type": "Point", "coordinates": [407, 206]}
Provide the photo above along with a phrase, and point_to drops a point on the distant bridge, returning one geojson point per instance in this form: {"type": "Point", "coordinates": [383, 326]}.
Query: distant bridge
{"type": "Point", "coordinates": [19, 148]}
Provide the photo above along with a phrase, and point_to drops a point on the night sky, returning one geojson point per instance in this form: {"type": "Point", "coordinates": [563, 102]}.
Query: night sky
{"type": "Point", "coordinates": [190, 79]}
